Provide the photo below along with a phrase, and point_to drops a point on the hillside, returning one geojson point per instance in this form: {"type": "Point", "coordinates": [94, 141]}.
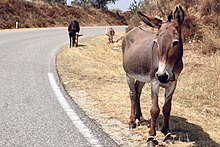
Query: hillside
{"type": "Point", "coordinates": [201, 24]}
{"type": "Point", "coordinates": [30, 14]}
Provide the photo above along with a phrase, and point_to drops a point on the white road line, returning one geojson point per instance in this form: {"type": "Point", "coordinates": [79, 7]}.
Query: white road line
{"type": "Point", "coordinates": [83, 129]}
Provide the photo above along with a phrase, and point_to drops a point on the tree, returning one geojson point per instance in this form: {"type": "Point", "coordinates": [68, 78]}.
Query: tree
{"type": "Point", "coordinates": [102, 3]}
{"type": "Point", "coordinates": [81, 2]}
{"type": "Point", "coordinates": [96, 3]}
{"type": "Point", "coordinates": [135, 6]}
{"type": "Point", "coordinates": [55, 1]}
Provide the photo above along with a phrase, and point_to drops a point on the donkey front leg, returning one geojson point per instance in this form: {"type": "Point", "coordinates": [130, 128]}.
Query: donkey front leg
{"type": "Point", "coordinates": [166, 112]}
{"type": "Point", "coordinates": [155, 111]}
{"type": "Point", "coordinates": [132, 94]}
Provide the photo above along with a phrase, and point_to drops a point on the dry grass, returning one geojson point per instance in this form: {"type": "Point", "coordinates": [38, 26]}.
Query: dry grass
{"type": "Point", "coordinates": [35, 14]}
{"type": "Point", "coordinates": [93, 76]}
{"type": "Point", "coordinates": [201, 21]}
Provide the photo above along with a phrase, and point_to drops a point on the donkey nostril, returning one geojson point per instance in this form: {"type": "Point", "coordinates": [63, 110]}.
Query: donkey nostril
{"type": "Point", "coordinates": [157, 75]}
{"type": "Point", "coordinates": [163, 78]}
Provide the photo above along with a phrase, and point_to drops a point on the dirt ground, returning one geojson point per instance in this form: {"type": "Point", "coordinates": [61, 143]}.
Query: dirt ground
{"type": "Point", "coordinates": [93, 76]}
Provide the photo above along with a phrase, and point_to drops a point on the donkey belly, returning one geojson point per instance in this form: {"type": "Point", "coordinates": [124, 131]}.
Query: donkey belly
{"type": "Point", "coordinates": [137, 53]}
{"type": "Point", "coordinates": [140, 77]}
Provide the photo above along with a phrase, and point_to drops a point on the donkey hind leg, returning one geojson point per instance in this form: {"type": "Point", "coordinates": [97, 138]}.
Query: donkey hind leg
{"type": "Point", "coordinates": [138, 88]}
{"type": "Point", "coordinates": [166, 112]}
{"type": "Point", "coordinates": [132, 94]}
{"type": "Point", "coordinates": [111, 39]}
{"type": "Point", "coordinates": [70, 40]}
{"type": "Point", "coordinates": [73, 40]}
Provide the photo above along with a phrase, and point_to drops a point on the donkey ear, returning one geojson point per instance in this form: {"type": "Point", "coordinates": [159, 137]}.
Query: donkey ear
{"type": "Point", "coordinates": [179, 15]}
{"type": "Point", "coordinates": [150, 21]}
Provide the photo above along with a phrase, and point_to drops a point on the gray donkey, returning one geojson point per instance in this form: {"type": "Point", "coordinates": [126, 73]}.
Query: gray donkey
{"type": "Point", "coordinates": [110, 33]}
{"type": "Point", "coordinates": [154, 57]}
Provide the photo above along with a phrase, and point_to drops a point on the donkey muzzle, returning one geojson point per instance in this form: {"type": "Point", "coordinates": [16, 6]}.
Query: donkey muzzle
{"type": "Point", "coordinates": [164, 76]}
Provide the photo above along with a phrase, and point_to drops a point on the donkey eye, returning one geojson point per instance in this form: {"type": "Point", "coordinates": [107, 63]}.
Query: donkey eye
{"type": "Point", "coordinates": [175, 43]}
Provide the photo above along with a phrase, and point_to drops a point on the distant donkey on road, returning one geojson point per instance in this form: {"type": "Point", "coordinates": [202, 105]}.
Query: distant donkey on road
{"type": "Point", "coordinates": [73, 30]}
{"type": "Point", "coordinates": [110, 32]}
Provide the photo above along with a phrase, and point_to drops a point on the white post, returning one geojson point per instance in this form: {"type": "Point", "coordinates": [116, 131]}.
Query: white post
{"type": "Point", "coordinates": [16, 25]}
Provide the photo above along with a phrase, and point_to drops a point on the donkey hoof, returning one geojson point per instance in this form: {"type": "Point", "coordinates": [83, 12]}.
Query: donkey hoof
{"type": "Point", "coordinates": [169, 139]}
{"type": "Point", "coordinates": [151, 144]}
{"type": "Point", "coordinates": [132, 126]}
{"type": "Point", "coordinates": [152, 141]}
{"type": "Point", "coordinates": [143, 122]}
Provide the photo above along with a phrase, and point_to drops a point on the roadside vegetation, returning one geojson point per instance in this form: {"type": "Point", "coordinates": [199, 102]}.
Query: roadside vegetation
{"type": "Point", "coordinates": [93, 76]}
{"type": "Point", "coordinates": [41, 14]}
{"type": "Point", "coordinates": [201, 25]}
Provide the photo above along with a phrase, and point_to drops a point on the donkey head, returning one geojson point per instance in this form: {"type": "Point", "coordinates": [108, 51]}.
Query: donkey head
{"type": "Point", "coordinates": [168, 41]}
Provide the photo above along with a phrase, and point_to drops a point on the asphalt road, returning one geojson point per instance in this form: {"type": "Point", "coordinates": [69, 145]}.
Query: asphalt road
{"type": "Point", "coordinates": [34, 109]}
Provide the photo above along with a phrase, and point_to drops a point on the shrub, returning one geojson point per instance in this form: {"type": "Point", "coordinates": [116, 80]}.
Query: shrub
{"type": "Point", "coordinates": [210, 47]}
{"type": "Point", "coordinates": [191, 29]}
{"type": "Point", "coordinates": [206, 7]}
{"type": "Point", "coordinates": [216, 6]}
{"type": "Point", "coordinates": [134, 21]}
